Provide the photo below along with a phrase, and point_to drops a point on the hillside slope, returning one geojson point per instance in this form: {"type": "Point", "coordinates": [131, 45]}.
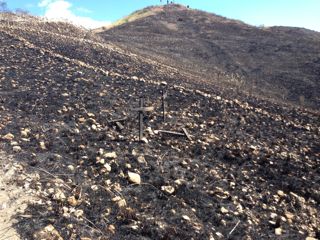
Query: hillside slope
{"type": "Point", "coordinates": [249, 170]}
{"type": "Point", "coordinates": [278, 62]}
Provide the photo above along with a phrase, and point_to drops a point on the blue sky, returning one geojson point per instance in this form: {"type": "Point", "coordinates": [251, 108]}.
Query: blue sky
{"type": "Point", "coordinates": [94, 13]}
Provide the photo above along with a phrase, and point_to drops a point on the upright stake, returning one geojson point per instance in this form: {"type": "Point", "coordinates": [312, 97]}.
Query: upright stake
{"type": "Point", "coordinates": [164, 96]}
{"type": "Point", "coordinates": [141, 110]}
{"type": "Point", "coordinates": [141, 120]}
{"type": "Point", "coordinates": [163, 105]}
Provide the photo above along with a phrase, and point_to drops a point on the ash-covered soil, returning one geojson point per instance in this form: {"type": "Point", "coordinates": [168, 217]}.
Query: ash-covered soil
{"type": "Point", "coordinates": [250, 170]}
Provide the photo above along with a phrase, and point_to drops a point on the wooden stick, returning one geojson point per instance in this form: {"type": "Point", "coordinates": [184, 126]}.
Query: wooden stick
{"type": "Point", "coordinates": [141, 120]}
{"type": "Point", "coordinates": [234, 228]}
{"type": "Point", "coordinates": [118, 120]}
{"type": "Point", "coordinates": [187, 134]}
{"type": "Point", "coordinates": [119, 125]}
{"type": "Point", "coordinates": [164, 95]}
{"type": "Point", "coordinates": [143, 109]}
{"type": "Point", "coordinates": [171, 132]}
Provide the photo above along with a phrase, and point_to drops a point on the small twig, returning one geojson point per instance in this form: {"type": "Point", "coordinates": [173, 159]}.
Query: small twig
{"type": "Point", "coordinates": [234, 228]}
{"type": "Point", "coordinates": [94, 226]}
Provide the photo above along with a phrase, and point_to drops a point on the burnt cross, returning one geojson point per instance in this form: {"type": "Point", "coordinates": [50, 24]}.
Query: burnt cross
{"type": "Point", "coordinates": [141, 109]}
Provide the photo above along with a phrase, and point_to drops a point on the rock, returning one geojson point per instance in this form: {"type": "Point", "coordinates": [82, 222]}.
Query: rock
{"type": "Point", "coordinates": [110, 155]}
{"type": "Point", "coordinates": [310, 238]}
{"type": "Point", "coordinates": [299, 198]}
{"type": "Point", "coordinates": [42, 145]}
{"type": "Point", "coordinates": [16, 149]}
{"type": "Point", "coordinates": [273, 215]}
{"type": "Point", "coordinates": [134, 152]}
{"type": "Point", "coordinates": [280, 193]}
{"type": "Point", "coordinates": [185, 217]}
{"type": "Point", "coordinates": [168, 189]}
{"type": "Point", "coordinates": [72, 201]}
{"type": "Point", "coordinates": [111, 228]}
{"type": "Point", "coordinates": [134, 177]}
{"type": "Point", "coordinates": [289, 215]}
{"type": "Point", "coordinates": [107, 167]}
{"type": "Point", "coordinates": [278, 231]}
{"type": "Point", "coordinates": [25, 132]}
{"type": "Point", "coordinates": [14, 143]}
{"type": "Point", "coordinates": [49, 232]}
{"type": "Point", "coordinates": [224, 210]}
{"type": "Point", "coordinates": [121, 203]}
{"type": "Point", "coordinates": [144, 140]}
{"type": "Point", "coordinates": [141, 159]}
{"type": "Point", "coordinates": [71, 168]}
{"type": "Point", "coordinates": [81, 120]}
{"type": "Point", "coordinates": [8, 137]}
{"type": "Point", "coordinates": [78, 213]}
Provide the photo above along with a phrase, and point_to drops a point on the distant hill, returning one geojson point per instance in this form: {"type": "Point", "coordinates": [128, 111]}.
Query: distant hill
{"type": "Point", "coordinates": [278, 62]}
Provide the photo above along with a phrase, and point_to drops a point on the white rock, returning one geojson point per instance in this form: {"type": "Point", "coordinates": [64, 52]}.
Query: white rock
{"type": "Point", "coordinates": [224, 210]}
{"type": "Point", "coordinates": [8, 136]}
{"type": "Point", "coordinates": [78, 213]}
{"type": "Point", "coordinates": [16, 149]}
{"type": "Point", "coordinates": [278, 231]}
{"type": "Point", "coordinates": [110, 155]}
{"type": "Point", "coordinates": [168, 189]}
{"type": "Point", "coordinates": [71, 168]}
{"type": "Point", "coordinates": [107, 166]}
{"type": "Point", "coordinates": [141, 159]}
{"type": "Point", "coordinates": [185, 217]}
{"type": "Point", "coordinates": [42, 145]}
{"type": "Point", "coordinates": [134, 177]}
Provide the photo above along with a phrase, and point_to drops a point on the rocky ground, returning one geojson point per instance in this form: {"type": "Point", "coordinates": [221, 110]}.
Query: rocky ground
{"type": "Point", "coordinates": [250, 169]}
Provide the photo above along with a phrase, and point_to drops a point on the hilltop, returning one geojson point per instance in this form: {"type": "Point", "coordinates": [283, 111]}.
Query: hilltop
{"type": "Point", "coordinates": [279, 63]}
{"type": "Point", "coordinates": [74, 168]}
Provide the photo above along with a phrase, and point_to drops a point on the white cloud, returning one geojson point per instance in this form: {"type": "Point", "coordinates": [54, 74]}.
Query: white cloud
{"type": "Point", "coordinates": [83, 10]}
{"type": "Point", "coordinates": [58, 10]}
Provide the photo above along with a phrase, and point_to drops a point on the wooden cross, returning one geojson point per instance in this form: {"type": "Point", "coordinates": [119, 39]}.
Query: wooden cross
{"type": "Point", "coordinates": [164, 96]}
{"type": "Point", "coordinates": [141, 109]}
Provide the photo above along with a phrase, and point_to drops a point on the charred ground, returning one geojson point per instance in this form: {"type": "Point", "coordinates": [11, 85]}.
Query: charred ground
{"type": "Point", "coordinates": [251, 170]}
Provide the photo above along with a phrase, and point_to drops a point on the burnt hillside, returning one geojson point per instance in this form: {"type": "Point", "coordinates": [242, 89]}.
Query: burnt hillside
{"type": "Point", "coordinates": [279, 62]}
{"type": "Point", "coordinates": [249, 168]}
